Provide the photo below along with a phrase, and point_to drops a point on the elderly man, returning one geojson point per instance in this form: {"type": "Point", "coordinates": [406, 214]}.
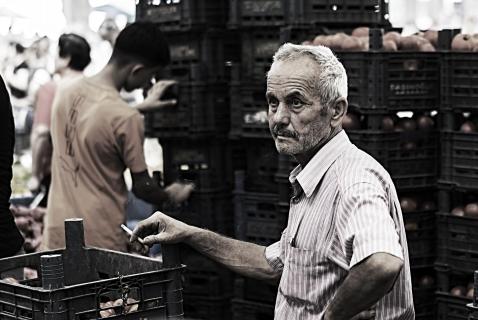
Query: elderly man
{"type": "Point", "coordinates": [343, 254]}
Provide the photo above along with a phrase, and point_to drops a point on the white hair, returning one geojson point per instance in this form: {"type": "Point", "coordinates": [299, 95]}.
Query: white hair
{"type": "Point", "coordinates": [332, 80]}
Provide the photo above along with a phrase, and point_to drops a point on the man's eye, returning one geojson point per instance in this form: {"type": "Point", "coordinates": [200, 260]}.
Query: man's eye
{"type": "Point", "coordinates": [273, 103]}
{"type": "Point", "coordinates": [296, 103]}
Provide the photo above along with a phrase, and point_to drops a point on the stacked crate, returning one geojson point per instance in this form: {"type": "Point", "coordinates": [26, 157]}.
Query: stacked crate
{"type": "Point", "coordinates": [259, 217]}
{"type": "Point", "coordinates": [193, 135]}
{"type": "Point", "coordinates": [457, 220]}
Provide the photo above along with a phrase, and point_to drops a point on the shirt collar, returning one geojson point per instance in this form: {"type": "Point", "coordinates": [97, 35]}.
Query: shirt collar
{"type": "Point", "coordinates": [310, 176]}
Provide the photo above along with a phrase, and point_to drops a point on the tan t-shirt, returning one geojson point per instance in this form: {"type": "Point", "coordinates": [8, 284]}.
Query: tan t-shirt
{"type": "Point", "coordinates": [95, 136]}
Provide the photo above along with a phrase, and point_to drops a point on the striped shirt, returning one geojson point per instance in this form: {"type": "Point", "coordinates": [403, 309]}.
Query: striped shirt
{"type": "Point", "coordinates": [348, 210]}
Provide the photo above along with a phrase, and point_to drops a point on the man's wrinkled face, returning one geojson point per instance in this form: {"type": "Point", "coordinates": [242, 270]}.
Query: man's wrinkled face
{"type": "Point", "coordinates": [297, 120]}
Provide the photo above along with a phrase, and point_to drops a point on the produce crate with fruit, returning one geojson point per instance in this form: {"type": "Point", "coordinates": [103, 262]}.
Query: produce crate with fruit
{"type": "Point", "coordinates": [455, 291]}
{"type": "Point", "coordinates": [457, 225]}
{"type": "Point", "coordinates": [419, 219]}
{"type": "Point", "coordinates": [90, 283]}
{"type": "Point", "coordinates": [460, 149]}
{"type": "Point", "coordinates": [424, 286]}
{"type": "Point", "coordinates": [251, 310]}
{"type": "Point", "coordinates": [262, 13]}
{"type": "Point", "coordinates": [183, 14]}
{"type": "Point", "coordinates": [459, 67]}
{"type": "Point", "coordinates": [406, 146]}
{"type": "Point", "coordinates": [202, 110]}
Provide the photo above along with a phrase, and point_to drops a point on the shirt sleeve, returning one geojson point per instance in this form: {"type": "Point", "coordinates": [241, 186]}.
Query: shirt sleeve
{"type": "Point", "coordinates": [274, 255]}
{"type": "Point", "coordinates": [130, 136]}
{"type": "Point", "coordinates": [366, 225]}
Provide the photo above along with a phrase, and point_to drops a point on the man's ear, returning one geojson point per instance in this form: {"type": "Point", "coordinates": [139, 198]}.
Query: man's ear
{"type": "Point", "coordinates": [339, 110]}
{"type": "Point", "coordinates": [137, 68]}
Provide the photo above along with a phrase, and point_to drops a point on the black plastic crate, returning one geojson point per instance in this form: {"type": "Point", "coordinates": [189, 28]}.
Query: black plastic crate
{"type": "Point", "coordinates": [457, 242]}
{"type": "Point", "coordinates": [261, 13]}
{"type": "Point", "coordinates": [452, 307]}
{"type": "Point", "coordinates": [459, 72]}
{"type": "Point", "coordinates": [204, 162]}
{"type": "Point", "coordinates": [424, 303]}
{"type": "Point", "coordinates": [258, 217]}
{"type": "Point", "coordinates": [258, 48]}
{"type": "Point", "coordinates": [196, 56]}
{"type": "Point", "coordinates": [202, 110]}
{"type": "Point", "coordinates": [460, 159]}
{"type": "Point", "coordinates": [81, 279]}
{"type": "Point", "coordinates": [411, 166]}
{"type": "Point", "coordinates": [338, 12]}
{"type": "Point", "coordinates": [249, 110]}
{"type": "Point", "coordinates": [212, 210]}
{"type": "Point", "coordinates": [255, 290]}
{"type": "Point", "coordinates": [251, 310]}
{"type": "Point", "coordinates": [420, 229]}
{"type": "Point", "coordinates": [174, 15]}
{"type": "Point", "coordinates": [261, 166]}
{"type": "Point", "coordinates": [257, 13]}
{"type": "Point", "coordinates": [204, 276]}
{"type": "Point", "coordinates": [392, 81]}
{"type": "Point", "coordinates": [207, 308]}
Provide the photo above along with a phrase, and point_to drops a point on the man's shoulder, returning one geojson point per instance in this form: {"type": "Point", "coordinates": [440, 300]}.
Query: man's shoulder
{"type": "Point", "coordinates": [356, 166]}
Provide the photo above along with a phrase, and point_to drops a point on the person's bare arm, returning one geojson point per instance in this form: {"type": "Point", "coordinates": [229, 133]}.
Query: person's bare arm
{"type": "Point", "coordinates": [242, 257]}
{"type": "Point", "coordinates": [41, 154]}
{"type": "Point", "coordinates": [366, 283]}
{"type": "Point", "coordinates": [145, 188]}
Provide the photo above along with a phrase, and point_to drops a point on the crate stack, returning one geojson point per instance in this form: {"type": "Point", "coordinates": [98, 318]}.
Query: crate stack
{"type": "Point", "coordinates": [194, 136]}
{"type": "Point", "coordinates": [259, 215]}
{"type": "Point", "coordinates": [457, 219]}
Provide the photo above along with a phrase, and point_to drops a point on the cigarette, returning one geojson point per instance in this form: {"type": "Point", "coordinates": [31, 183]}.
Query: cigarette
{"type": "Point", "coordinates": [128, 231]}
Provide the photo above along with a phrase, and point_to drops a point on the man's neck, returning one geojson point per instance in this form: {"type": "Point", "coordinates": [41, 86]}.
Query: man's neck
{"type": "Point", "coordinates": [109, 77]}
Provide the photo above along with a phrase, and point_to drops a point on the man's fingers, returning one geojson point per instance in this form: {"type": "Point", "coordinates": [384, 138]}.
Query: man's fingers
{"type": "Point", "coordinates": [153, 239]}
{"type": "Point", "coordinates": [365, 315]}
{"type": "Point", "coordinates": [137, 231]}
{"type": "Point", "coordinates": [167, 103]}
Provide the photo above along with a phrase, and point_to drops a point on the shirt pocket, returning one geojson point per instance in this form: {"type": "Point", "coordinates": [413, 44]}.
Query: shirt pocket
{"type": "Point", "coordinates": [303, 277]}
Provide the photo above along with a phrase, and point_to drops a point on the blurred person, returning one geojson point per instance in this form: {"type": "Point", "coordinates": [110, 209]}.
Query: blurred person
{"type": "Point", "coordinates": [103, 45]}
{"type": "Point", "coordinates": [96, 136]}
{"type": "Point", "coordinates": [72, 58]}
{"type": "Point", "coordinates": [11, 240]}
{"type": "Point", "coordinates": [343, 253]}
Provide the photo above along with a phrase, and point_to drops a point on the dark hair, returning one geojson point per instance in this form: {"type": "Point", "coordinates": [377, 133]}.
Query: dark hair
{"type": "Point", "coordinates": [77, 48]}
{"type": "Point", "coordinates": [141, 42]}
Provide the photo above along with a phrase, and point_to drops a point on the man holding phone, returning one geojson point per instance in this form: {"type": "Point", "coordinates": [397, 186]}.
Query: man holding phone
{"type": "Point", "coordinates": [96, 136]}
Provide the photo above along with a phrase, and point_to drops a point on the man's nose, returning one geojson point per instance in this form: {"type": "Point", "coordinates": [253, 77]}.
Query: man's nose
{"type": "Point", "coordinates": [282, 115]}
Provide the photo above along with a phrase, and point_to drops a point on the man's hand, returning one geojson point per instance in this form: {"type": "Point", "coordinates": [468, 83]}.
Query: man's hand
{"type": "Point", "coordinates": [160, 228]}
{"type": "Point", "coordinates": [155, 93]}
{"type": "Point", "coordinates": [365, 315]}
{"type": "Point", "coordinates": [178, 192]}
